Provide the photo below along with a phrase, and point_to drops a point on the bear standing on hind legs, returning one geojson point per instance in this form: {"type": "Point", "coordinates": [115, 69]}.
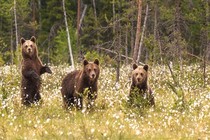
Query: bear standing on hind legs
{"type": "Point", "coordinates": [140, 92]}
{"type": "Point", "coordinates": [31, 69]}
{"type": "Point", "coordinates": [80, 82]}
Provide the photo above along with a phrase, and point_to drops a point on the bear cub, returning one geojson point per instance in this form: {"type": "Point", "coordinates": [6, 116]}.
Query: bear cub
{"type": "Point", "coordinates": [79, 83]}
{"type": "Point", "coordinates": [140, 92]}
{"type": "Point", "coordinates": [31, 69]}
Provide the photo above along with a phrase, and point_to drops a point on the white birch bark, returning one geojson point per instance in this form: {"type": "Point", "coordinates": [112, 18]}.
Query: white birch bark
{"type": "Point", "coordinates": [138, 31]}
{"type": "Point", "coordinates": [16, 31]}
{"type": "Point", "coordinates": [83, 15]}
{"type": "Point", "coordinates": [142, 35]}
{"type": "Point", "coordinates": [68, 35]}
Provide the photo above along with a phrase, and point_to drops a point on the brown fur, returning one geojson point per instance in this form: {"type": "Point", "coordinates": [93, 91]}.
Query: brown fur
{"type": "Point", "coordinates": [139, 85]}
{"type": "Point", "coordinates": [32, 69]}
{"type": "Point", "coordinates": [79, 82]}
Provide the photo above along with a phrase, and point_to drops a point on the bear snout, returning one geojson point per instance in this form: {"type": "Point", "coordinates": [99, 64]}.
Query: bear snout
{"type": "Point", "coordinates": [138, 79]}
{"type": "Point", "coordinates": [29, 50]}
{"type": "Point", "coordinates": [93, 76]}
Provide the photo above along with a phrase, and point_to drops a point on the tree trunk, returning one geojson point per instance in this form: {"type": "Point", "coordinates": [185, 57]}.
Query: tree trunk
{"type": "Point", "coordinates": [113, 11]}
{"type": "Point", "coordinates": [206, 44]}
{"type": "Point", "coordinates": [78, 32]}
{"type": "Point", "coordinates": [96, 22]}
{"type": "Point", "coordinates": [177, 32]}
{"type": "Point", "coordinates": [16, 32]}
{"type": "Point", "coordinates": [40, 16]}
{"type": "Point", "coordinates": [83, 15]}
{"type": "Point", "coordinates": [33, 16]}
{"type": "Point", "coordinates": [78, 28]}
{"type": "Point", "coordinates": [142, 35]}
{"type": "Point", "coordinates": [68, 35]}
{"type": "Point", "coordinates": [156, 31]}
{"type": "Point", "coordinates": [11, 44]}
{"type": "Point", "coordinates": [132, 30]}
{"type": "Point", "coordinates": [132, 38]}
{"type": "Point", "coordinates": [138, 31]}
{"type": "Point", "coordinates": [126, 45]}
{"type": "Point", "coordinates": [118, 49]}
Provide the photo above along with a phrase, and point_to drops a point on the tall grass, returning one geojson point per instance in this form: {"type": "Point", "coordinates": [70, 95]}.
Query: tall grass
{"type": "Point", "coordinates": [110, 118]}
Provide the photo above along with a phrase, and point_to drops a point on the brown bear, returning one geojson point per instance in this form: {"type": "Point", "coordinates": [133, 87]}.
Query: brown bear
{"type": "Point", "coordinates": [78, 83]}
{"type": "Point", "coordinates": [31, 69]}
{"type": "Point", "coordinates": [140, 92]}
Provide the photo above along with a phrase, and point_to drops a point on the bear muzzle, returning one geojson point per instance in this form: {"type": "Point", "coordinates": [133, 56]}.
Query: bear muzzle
{"type": "Point", "coordinates": [29, 50]}
{"type": "Point", "coordinates": [93, 76]}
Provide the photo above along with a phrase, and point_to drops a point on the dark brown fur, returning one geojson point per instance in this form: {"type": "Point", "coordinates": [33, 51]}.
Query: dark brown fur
{"type": "Point", "coordinates": [139, 85]}
{"type": "Point", "coordinates": [32, 69]}
{"type": "Point", "coordinates": [79, 82]}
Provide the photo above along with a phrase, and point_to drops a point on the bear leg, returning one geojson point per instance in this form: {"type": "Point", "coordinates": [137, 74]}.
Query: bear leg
{"type": "Point", "coordinates": [26, 99]}
{"type": "Point", "coordinates": [91, 99]}
{"type": "Point", "coordinates": [37, 97]}
{"type": "Point", "coordinates": [45, 69]}
{"type": "Point", "coordinates": [78, 102]}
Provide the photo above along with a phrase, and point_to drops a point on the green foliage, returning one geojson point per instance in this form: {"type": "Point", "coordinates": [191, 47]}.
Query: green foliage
{"type": "Point", "coordinates": [3, 52]}
{"type": "Point", "coordinates": [139, 101]}
{"type": "Point", "coordinates": [104, 60]}
{"type": "Point", "coordinates": [60, 53]}
{"type": "Point", "coordinates": [91, 30]}
{"type": "Point", "coordinates": [45, 20]}
{"type": "Point", "coordinates": [60, 50]}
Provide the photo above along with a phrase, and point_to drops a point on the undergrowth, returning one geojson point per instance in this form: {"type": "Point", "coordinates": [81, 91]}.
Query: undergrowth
{"type": "Point", "coordinates": [111, 118]}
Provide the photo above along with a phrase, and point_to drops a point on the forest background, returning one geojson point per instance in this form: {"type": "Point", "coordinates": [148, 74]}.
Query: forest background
{"type": "Point", "coordinates": [169, 30]}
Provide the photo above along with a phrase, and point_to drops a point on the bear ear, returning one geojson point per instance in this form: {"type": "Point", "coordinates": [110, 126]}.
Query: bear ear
{"type": "Point", "coordinates": [85, 62]}
{"type": "Point", "coordinates": [22, 40]}
{"type": "Point", "coordinates": [134, 66]}
{"type": "Point", "coordinates": [33, 39]}
{"type": "Point", "coordinates": [146, 67]}
{"type": "Point", "coordinates": [96, 62]}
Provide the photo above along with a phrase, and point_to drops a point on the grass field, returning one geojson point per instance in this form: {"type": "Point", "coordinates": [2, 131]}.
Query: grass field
{"type": "Point", "coordinates": [182, 108]}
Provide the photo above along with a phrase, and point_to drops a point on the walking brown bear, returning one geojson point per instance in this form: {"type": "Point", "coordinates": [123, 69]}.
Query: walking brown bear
{"type": "Point", "coordinates": [140, 92]}
{"type": "Point", "coordinates": [80, 82]}
{"type": "Point", "coordinates": [31, 68]}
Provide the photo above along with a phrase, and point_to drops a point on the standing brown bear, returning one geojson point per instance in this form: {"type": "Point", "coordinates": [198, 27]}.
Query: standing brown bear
{"type": "Point", "coordinates": [32, 69]}
{"type": "Point", "coordinates": [80, 82]}
{"type": "Point", "coordinates": [140, 92]}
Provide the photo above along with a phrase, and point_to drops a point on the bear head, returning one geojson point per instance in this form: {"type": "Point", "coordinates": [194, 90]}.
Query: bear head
{"type": "Point", "coordinates": [91, 70]}
{"type": "Point", "coordinates": [139, 75]}
{"type": "Point", "coordinates": [28, 47]}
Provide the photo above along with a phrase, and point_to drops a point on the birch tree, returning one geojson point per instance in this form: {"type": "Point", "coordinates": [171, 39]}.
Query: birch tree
{"type": "Point", "coordinates": [142, 35]}
{"type": "Point", "coordinates": [68, 34]}
{"type": "Point", "coordinates": [78, 23]}
{"type": "Point", "coordinates": [96, 21]}
{"type": "Point", "coordinates": [16, 30]}
{"type": "Point", "coordinates": [138, 31]}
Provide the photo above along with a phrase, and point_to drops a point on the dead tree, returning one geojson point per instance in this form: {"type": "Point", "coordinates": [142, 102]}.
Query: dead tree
{"type": "Point", "coordinates": [142, 35]}
{"type": "Point", "coordinates": [138, 31]}
{"type": "Point", "coordinates": [68, 35]}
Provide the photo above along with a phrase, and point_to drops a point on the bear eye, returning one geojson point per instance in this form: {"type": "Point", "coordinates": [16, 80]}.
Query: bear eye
{"type": "Point", "coordinates": [26, 46]}
{"type": "Point", "coordinates": [95, 69]}
{"type": "Point", "coordinates": [89, 70]}
{"type": "Point", "coordinates": [136, 74]}
{"type": "Point", "coordinates": [141, 74]}
{"type": "Point", "coordinates": [31, 46]}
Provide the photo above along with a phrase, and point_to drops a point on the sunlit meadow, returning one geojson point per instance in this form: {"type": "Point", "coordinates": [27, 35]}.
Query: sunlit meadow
{"type": "Point", "coordinates": [182, 107]}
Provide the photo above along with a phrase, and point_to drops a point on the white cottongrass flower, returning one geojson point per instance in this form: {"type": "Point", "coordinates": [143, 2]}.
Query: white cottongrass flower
{"type": "Point", "coordinates": [92, 130]}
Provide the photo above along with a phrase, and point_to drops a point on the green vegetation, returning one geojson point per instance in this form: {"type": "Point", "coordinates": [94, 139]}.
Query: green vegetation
{"type": "Point", "coordinates": [175, 30]}
{"type": "Point", "coordinates": [111, 118]}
